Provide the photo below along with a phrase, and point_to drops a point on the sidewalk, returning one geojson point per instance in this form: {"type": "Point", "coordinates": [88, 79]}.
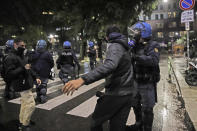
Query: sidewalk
{"type": "Point", "coordinates": [189, 93]}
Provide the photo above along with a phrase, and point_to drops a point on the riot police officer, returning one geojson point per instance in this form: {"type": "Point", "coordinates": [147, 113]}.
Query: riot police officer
{"type": "Point", "coordinates": [66, 63]}
{"type": "Point", "coordinates": [42, 63]}
{"type": "Point", "coordinates": [92, 55]}
{"type": "Point", "coordinates": [8, 93]}
{"type": "Point", "coordinates": [146, 75]}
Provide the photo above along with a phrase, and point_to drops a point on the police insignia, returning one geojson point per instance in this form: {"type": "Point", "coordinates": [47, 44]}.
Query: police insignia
{"type": "Point", "coordinates": [156, 50]}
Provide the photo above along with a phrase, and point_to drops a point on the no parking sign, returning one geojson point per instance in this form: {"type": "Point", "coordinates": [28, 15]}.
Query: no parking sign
{"type": "Point", "coordinates": [186, 4]}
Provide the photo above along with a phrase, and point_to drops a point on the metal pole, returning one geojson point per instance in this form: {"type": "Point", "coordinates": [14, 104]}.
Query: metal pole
{"type": "Point", "coordinates": [187, 48]}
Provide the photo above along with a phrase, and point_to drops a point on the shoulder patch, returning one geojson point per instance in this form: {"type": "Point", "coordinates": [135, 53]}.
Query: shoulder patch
{"type": "Point", "coordinates": [156, 50]}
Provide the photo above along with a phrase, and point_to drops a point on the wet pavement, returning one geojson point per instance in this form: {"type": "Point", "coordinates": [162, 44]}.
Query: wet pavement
{"type": "Point", "coordinates": [189, 93]}
{"type": "Point", "coordinates": [74, 113]}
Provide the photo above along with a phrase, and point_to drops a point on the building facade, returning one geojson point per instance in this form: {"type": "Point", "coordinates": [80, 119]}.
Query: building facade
{"type": "Point", "coordinates": [166, 21]}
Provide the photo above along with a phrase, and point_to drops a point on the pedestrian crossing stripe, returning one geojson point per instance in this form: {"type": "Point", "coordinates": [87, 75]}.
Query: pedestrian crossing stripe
{"type": "Point", "coordinates": [60, 98]}
{"type": "Point", "coordinates": [84, 109]}
{"type": "Point", "coordinates": [52, 103]}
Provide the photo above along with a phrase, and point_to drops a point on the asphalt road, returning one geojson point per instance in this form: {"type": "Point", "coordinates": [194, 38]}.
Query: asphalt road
{"type": "Point", "coordinates": [73, 113]}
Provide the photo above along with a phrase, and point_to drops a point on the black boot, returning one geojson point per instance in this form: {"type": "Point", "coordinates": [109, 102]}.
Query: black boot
{"type": "Point", "coordinates": [25, 128]}
{"type": "Point", "coordinates": [133, 127]}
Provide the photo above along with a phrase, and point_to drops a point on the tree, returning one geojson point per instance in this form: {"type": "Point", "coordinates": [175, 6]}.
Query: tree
{"type": "Point", "coordinates": [32, 34]}
{"type": "Point", "coordinates": [84, 17]}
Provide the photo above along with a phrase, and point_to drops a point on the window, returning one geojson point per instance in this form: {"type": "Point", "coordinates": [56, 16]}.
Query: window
{"type": "Point", "coordinates": [156, 8]}
{"type": "Point", "coordinates": [160, 34]}
{"type": "Point", "coordinates": [174, 14]}
{"type": "Point", "coordinates": [159, 25]}
{"type": "Point", "coordinates": [149, 17]}
{"type": "Point", "coordinates": [182, 24]}
{"type": "Point", "coordinates": [169, 6]}
{"type": "Point", "coordinates": [171, 34]}
{"type": "Point", "coordinates": [161, 16]}
{"type": "Point", "coordinates": [156, 17]}
{"type": "Point", "coordinates": [174, 5]}
{"type": "Point", "coordinates": [172, 24]}
{"type": "Point", "coordinates": [144, 18]}
{"type": "Point", "coordinates": [161, 7]}
{"type": "Point", "coordinates": [183, 33]}
{"type": "Point", "coordinates": [169, 14]}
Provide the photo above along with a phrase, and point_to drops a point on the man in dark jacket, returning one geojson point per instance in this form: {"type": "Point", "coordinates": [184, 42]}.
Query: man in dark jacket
{"type": "Point", "coordinates": [115, 104]}
{"type": "Point", "coordinates": [42, 63]}
{"type": "Point", "coordinates": [66, 63]}
{"type": "Point", "coordinates": [92, 55]}
{"type": "Point", "coordinates": [21, 77]}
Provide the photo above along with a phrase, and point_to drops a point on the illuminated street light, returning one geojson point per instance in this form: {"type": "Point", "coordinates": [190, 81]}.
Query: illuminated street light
{"type": "Point", "coordinates": [176, 33]}
{"type": "Point", "coordinates": [165, 1]}
{"type": "Point", "coordinates": [51, 36]}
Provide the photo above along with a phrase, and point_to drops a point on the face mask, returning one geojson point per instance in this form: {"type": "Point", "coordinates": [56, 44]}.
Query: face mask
{"type": "Point", "coordinates": [20, 50]}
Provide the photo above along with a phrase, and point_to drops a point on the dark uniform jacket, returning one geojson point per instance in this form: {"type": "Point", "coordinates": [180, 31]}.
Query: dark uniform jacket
{"type": "Point", "coordinates": [67, 57]}
{"type": "Point", "coordinates": [117, 68]}
{"type": "Point", "coordinates": [146, 62]}
{"type": "Point", "coordinates": [17, 76]}
{"type": "Point", "coordinates": [92, 53]}
{"type": "Point", "coordinates": [42, 63]}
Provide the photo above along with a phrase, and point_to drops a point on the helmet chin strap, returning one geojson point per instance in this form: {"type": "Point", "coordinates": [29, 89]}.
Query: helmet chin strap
{"type": "Point", "coordinates": [143, 41]}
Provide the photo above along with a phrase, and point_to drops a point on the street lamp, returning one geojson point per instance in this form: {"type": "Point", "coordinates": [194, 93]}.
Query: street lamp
{"type": "Point", "coordinates": [176, 33]}
{"type": "Point", "coordinates": [51, 36]}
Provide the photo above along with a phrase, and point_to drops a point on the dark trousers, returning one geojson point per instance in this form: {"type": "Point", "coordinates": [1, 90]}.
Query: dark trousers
{"type": "Point", "coordinates": [113, 108]}
{"type": "Point", "coordinates": [9, 92]}
{"type": "Point", "coordinates": [92, 63]}
{"type": "Point", "coordinates": [144, 108]}
{"type": "Point", "coordinates": [65, 72]}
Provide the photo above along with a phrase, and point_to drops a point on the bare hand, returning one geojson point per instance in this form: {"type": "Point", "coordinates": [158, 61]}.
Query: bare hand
{"type": "Point", "coordinates": [27, 66]}
{"type": "Point", "coordinates": [72, 85]}
{"type": "Point", "coordinates": [38, 81]}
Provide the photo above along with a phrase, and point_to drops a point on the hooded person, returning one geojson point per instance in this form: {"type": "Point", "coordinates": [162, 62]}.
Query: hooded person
{"type": "Point", "coordinates": [115, 103]}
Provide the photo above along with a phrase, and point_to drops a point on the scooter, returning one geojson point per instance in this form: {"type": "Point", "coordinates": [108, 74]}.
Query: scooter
{"type": "Point", "coordinates": [191, 73]}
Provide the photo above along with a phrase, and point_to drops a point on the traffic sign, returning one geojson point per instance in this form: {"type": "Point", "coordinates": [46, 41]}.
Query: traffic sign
{"type": "Point", "coordinates": [187, 16]}
{"type": "Point", "coordinates": [186, 4]}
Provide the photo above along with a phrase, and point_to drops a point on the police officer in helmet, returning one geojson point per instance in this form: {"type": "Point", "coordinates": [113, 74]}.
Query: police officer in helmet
{"type": "Point", "coordinates": [42, 63]}
{"type": "Point", "coordinates": [66, 63]}
{"type": "Point", "coordinates": [8, 93]}
{"type": "Point", "coordinates": [92, 55]}
{"type": "Point", "coordinates": [146, 75]}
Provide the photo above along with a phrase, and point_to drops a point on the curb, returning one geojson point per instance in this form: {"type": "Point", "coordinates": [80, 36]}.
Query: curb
{"type": "Point", "coordinates": [180, 79]}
